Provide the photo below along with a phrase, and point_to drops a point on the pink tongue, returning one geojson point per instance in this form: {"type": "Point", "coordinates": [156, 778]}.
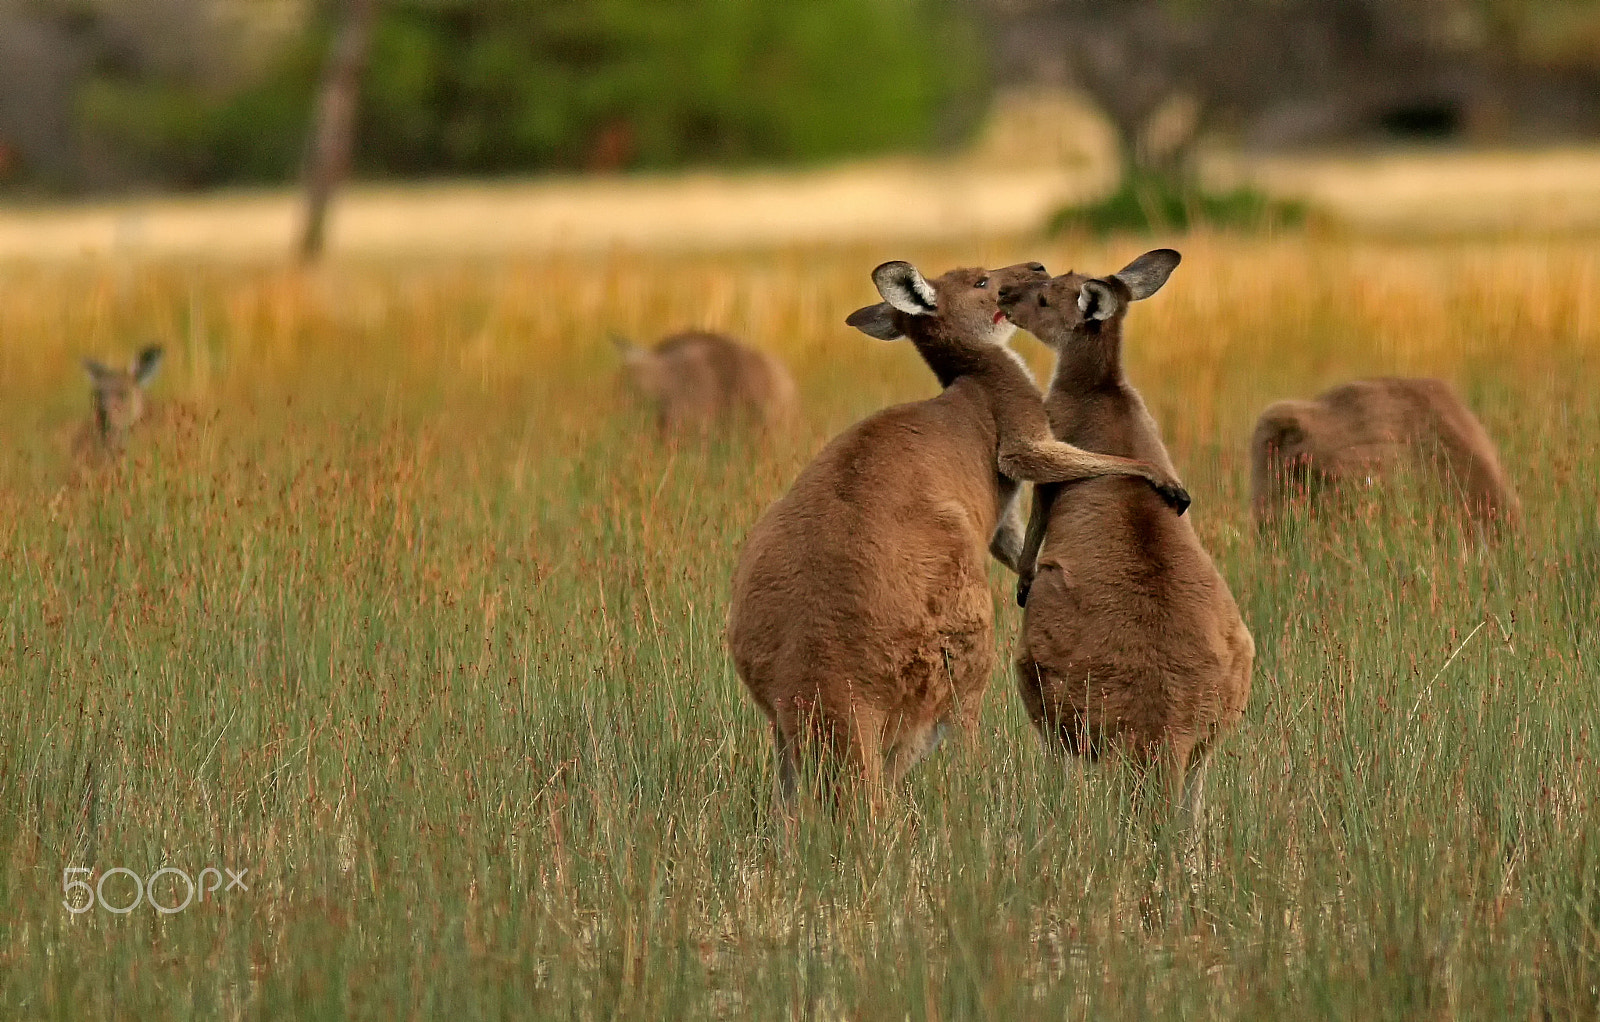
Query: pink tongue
{"type": "Point", "coordinates": [998, 316]}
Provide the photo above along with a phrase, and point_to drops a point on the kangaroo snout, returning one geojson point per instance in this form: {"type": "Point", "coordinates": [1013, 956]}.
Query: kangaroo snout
{"type": "Point", "coordinates": [1012, 294]}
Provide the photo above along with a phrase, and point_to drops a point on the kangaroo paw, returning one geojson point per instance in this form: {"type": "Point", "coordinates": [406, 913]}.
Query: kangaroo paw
{"type": "Point", "coordinates": [1176, 497]}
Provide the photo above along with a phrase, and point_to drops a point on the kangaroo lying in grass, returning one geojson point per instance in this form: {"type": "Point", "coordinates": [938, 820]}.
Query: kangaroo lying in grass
{"type": "Point", "coordinates": [1370, 428]}
{"type": "Point", "coordinates": [861, 619]}
{"type": "Point", "coordinates": [118, 396]}
{"type": "Point", "coordinates": [698, 380]}
{"type": "Point", "coordinates": [1131, 637]}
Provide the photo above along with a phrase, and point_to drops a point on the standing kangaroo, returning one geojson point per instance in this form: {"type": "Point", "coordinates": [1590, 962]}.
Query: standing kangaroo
{"type": "Point", "coordinates": [119, 405]}
{"type": "Point", "coordinates": [697, 380]}
{"type": "Point", "coordinates": [1369, 428]}
{"type": "Point", "coordinates": [1130, 637]}
{"type": "Point", "coordinates": [861, 619]}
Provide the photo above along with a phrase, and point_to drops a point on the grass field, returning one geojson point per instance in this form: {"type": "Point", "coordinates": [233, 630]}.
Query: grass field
{"type": "Point", "coordinates": [409, 615]}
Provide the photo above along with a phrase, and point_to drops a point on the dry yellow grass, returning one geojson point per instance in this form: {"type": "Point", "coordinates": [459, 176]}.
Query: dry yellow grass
{"type": "Point", "coordinates": [417, 623]}
{"type": "Point", "coordinates": [487, 338]}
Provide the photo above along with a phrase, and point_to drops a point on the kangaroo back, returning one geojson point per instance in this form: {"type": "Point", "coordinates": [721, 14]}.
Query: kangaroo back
{"type": "Point", "coordinates": [1366, 430]}
{"type": "Point", "coordinates": [700, 380]}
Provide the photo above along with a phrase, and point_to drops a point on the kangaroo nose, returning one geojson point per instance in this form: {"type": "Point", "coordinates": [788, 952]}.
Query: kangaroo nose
{"type": "Point", "coordinates": [1009, 293]}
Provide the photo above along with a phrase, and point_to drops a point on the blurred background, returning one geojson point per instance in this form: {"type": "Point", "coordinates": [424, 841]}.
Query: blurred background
{"type": "Point", "coordinates": [394, 599]}
{"type": "Point", "coordinates": [793, 120]}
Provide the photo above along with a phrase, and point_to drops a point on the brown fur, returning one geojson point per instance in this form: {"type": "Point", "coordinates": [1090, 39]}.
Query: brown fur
{"type": "Point", "coordinates": [1368, 429]}
{"type": "Point", "coordinates": [1131, 637]}
{"type": "Point", "coordinates": [700, 380]}
{"type": "Point", "coordinates": [119, 407]}
{"type": "Point", "coordinates": [861, 618]}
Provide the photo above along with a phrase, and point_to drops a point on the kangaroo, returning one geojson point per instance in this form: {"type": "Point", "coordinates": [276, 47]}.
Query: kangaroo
{"type": "Point", "coordinates": [697, 380]}
{"type": "Point", "coordinates": [861, 619]}
{"type": "Point", "coordinates": [1130, 636]}
{"type": "Point", "coordinates": [119, 405]}
{"type": "Point", "coordinates": [1368, 429]}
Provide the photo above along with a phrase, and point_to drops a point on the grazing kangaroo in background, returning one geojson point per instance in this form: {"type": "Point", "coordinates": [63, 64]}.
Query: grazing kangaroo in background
{"type": "Point", "coordinates": [698, 380]}
{"type": "Point", "coordinates": [1131, 637]}
{"type": "Point", "coordinates": [861, 618]}
{"type": "Point", "coordinates": [119, 405]}
{"type": "Point", "coordinates": [1369, 428]}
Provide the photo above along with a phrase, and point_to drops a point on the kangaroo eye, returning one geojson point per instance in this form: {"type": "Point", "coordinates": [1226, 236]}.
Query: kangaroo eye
{"type": "Point", "coordinates": [1042, 303]}
{"type": "Point", "coordinates": [982, 282]}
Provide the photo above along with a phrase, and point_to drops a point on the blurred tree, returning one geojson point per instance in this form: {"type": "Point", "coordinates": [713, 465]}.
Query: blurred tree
{"type": "Point", "coordinates": [101, 93]}
{"type": "Point", "coordinates": [41, 63]}
{"type": "Point", "coordinates": [1291, 71]}
{"type": "Point", "coordinates": [333, 129]}
{"type": "Point", "coordinates": [110, 93]}
{"type": "Point", "coordinates": [197, 93]}
{"type": "Point", "coordinates": [1163, 71]}
{"type": "Point", "coordinates": [493, 86]}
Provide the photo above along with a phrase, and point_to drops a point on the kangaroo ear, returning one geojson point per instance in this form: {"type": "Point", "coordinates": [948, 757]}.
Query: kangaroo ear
{"type": "Point", "coordinates": [1098, 300]}
{"type": "Point", "coordinates": [876, 321]}
{"type": "Point", "coordinates": [1145, 275]}
{"type": "Point", "coordinates": [906, 289]}
{"type": "Point", "coordinates": [97, 370]}
{"type": "Point", "coordinates": [629, 351]}
{"type": "Point", "coordinates": [145, 366]}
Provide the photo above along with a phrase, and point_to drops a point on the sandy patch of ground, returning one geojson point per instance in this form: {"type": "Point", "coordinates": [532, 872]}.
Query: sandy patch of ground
{"type": "Point", "coordinates": [1441, 191]}
{"type": "Point", "coordinates": [898, 200]}
{"type": "Point", "coordinates": [1039, 153]}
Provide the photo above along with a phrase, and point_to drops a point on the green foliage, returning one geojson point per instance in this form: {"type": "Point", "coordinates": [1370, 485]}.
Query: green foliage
{"type": "Point", "coordinates": [176, 134]}
{"type": "Point", "coordinates": [512, 85]}
{"type": "Point", "coordinates": [509, 86]}
{"type": "Point", "coordinates": [1148, 204]}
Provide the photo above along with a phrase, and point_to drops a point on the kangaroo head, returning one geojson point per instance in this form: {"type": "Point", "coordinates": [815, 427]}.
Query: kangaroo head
{"type": "Point", "coordinates": [1055, 309]}
{"type": "Point", "coordinates": [1283, 431]}
{"type": "Point", "coordinates": [641, 368]}
{"type": "Point", "coordinates": [961, 305]}
{"type": "Point", "coordinates": [118, 394]}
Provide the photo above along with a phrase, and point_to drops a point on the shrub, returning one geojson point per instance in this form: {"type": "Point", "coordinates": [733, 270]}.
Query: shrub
{"type": "Point", "coordinates": [515, 86]}
{"type": "Point", "coordinates": [1147, 205]}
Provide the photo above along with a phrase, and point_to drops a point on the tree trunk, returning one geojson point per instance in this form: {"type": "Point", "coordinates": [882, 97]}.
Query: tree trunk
{"type": "Point", "coordinates": [333, 130]}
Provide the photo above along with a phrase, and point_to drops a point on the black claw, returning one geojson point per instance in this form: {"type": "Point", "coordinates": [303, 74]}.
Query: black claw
{"type": "Point", "coordinates": [1022, 592]}
{"type": "Point", "coordinates": [1176, 497]}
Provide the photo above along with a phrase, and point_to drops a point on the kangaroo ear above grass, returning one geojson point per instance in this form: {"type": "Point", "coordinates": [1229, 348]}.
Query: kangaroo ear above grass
{"type": "Point", "coordinates": [145, 366]}
{"type": "Point", "coordinates": [97, 370]}
{"type": "Point", "coordinates": [876, 321]}
{"type": "Point", "coordinates": [903, 287]}
{"type": "Point", "coordinates": [1098, 300]}
{"type": "Point", "coordinates": [1145, 275]}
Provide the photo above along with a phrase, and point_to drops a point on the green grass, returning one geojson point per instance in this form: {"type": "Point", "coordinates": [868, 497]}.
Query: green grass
{"type": "Point", "coordinates": [415, 622]}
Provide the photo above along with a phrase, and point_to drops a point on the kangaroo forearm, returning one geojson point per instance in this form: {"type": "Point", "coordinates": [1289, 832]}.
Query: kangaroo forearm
{"type": "Point", "coordinates": [1005, 545]}
{"type": "Point", "coordinates": [1056, 462]}
{"type": "Point", "coordinates": [1038, 523]}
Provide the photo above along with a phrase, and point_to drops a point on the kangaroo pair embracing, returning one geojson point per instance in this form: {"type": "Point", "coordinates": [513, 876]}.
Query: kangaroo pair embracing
{"type": "Point", "coordinates": [861, 618]}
